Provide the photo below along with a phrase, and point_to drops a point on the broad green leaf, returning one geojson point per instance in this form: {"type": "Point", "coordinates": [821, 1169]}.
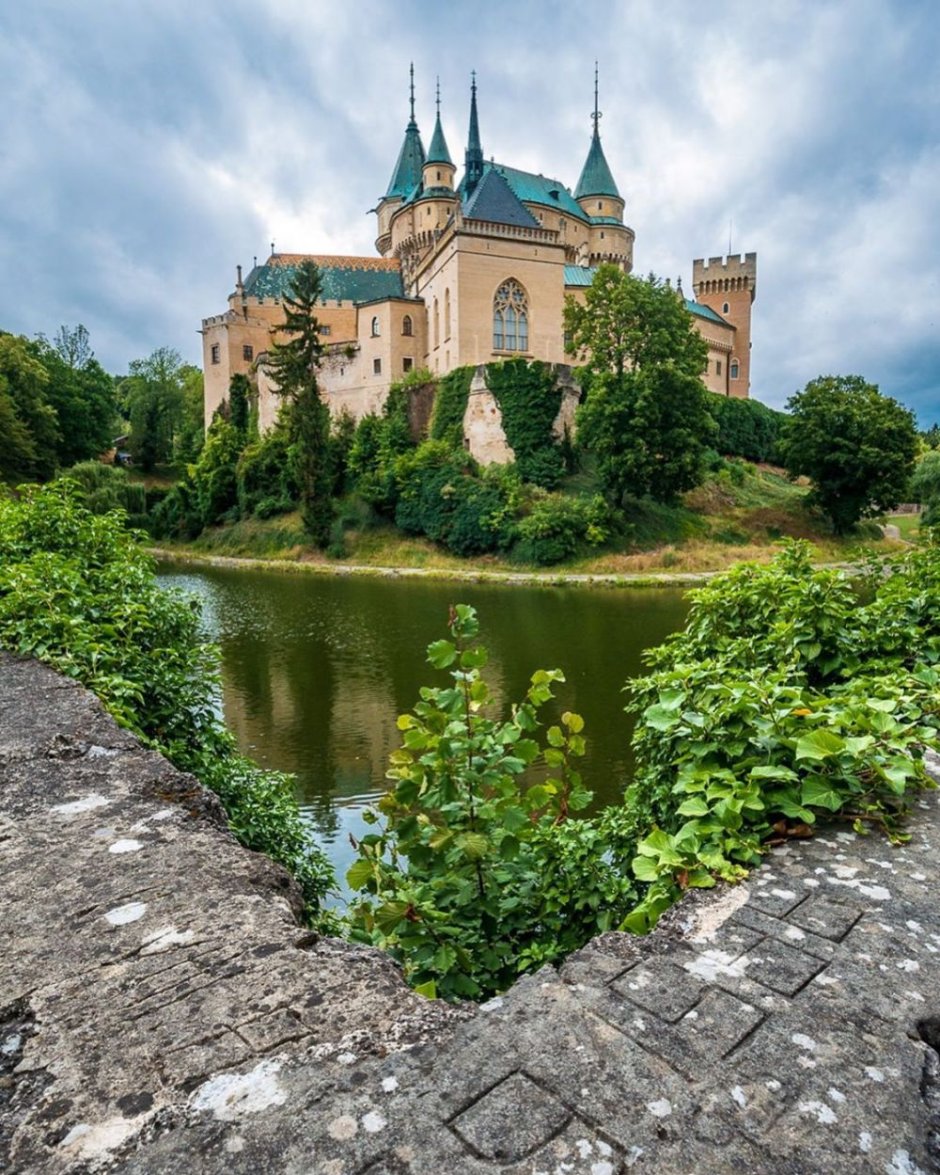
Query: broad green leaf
{"type": "Point", "coordinates": [428, 990]}
{"type": "Point", "coordinates": [694, 806]}
{"type": "Point", "coordinates": [441, 654]}
{"type": "Point", "coordinates": [821, 794]}
{"type": "Point", "coordinates": [819, 744]}
{"type": "Point", "coordinates": [574, 722]}
{"type": "Point", "coordinates": [660, 718]}
{"type": "Point", "coordinates": [359, 874]}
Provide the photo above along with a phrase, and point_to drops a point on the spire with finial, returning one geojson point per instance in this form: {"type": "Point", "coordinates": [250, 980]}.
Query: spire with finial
{"type": "Point", "coordinates": [407, 174]}
{"type": "Point", "coordinates": [473, 158]}
{"type": "Point", "coordinates": [437, 152]}
{"type": "Point", "coordinates": [596, 178]}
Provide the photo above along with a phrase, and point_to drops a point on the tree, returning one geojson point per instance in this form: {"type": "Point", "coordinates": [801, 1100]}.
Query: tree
{"type": "Point", "coordinates": [925, 486]}
{"type": "Point", "coordinates": [24, 382]}
{"type": "Point", "coordinates": [82, 394]}
{"type": "Point", "coordinates": [293, 366]}
{"type": "Point", "coordinates": [155, 402]}
{"type": "Point", "coordinates": [855, 445]}
{"type": "Point", "coordinates": [627, 323]}
{"type": "Point", "coordinates": [190, 434]}
{"type": "Point", "coordinates": [645, 417]}
{"type": "Point", "coordinates": [73, 346]}
{"type": "Point", "coordinates": [649, 430]}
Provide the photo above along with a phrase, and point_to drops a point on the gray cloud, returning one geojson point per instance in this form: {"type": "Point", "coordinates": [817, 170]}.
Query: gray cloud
{"type": "Point", "coordinates": [149, 148]}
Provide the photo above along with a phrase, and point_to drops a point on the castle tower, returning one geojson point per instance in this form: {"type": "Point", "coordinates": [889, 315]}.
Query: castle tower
{"type": "Point", "coordinates": [405, 178]}
{"type": "Point", "coordinates": [473, 157]}
{"type": "Point", "coordinates": [728, 285]}
{"type": "Point", "coordinates": [600, 200]}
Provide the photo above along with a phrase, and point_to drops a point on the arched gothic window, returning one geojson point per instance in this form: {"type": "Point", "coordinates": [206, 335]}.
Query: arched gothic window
{"type": "Point", "coordinates": [407, 327]}
{"type": "Point", "coordinates": [447, 314]}
{"type": "Point", "coordinates": [511, 317]}
{"type": "Point", "coordinates": [375, 328]}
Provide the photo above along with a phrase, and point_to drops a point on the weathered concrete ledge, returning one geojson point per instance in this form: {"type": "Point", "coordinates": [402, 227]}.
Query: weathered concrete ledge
{"type": "Point", "coordinates": [162, 1011]}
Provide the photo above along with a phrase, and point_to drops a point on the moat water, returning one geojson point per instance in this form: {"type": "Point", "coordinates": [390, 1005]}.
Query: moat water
{"type": "Point", "coordinates": [316, 669]}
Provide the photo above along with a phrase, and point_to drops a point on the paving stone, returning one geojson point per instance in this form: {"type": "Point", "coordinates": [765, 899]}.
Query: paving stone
{"type": "Point", "coordinates": [825, 916]}
{"type": "Point", "coordinates": [782, 968]}
{"type": "Point", "coordinates": [667, 990]}
{"type": "Point", "coordinates": [511, 1120]}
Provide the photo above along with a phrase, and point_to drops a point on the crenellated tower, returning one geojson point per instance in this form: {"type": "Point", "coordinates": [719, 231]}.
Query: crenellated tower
{"type": "Point", "coordinates": [728, 285]}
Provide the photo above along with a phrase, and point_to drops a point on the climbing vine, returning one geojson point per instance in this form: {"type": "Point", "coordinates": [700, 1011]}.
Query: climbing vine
{"type": "Point", "coordinates": [529, 399]}
{"type": "Point", "coordinates": [453, 391]}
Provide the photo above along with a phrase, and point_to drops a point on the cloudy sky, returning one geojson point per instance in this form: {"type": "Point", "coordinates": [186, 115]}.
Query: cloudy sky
{"type": "Point", "coordinates": [148, 146]}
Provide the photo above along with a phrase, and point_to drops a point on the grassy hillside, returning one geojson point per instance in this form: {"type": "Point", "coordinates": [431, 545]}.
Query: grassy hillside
{"type": "Point", "coordinates": [740, 513]}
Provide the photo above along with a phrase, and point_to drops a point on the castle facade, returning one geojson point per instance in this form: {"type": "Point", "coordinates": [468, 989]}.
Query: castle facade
{"type": "Point", "coordinates": [468, 271]}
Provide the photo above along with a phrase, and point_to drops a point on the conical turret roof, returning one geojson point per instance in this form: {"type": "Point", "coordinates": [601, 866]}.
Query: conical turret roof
{"type": "Point", "coordinates": [407, 173]}
{"type": "Point", "coordinates": [596, 178]}
{"type": "Point", "coordinates": [437, 152]}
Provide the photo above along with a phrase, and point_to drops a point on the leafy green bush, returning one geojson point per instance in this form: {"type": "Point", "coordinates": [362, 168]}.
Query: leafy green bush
{"type": "Point", "coordinates": [746, 428]}
{"type": "Point", "coordinates": [475, 879]}
{"type": "Point", "coordinates": [265, 476]}
{"type": "Point", "coordinates": [441, 495]}
{"type": "Point", "coordinates": [785, 700]}
{"type": "Point", "coordinates": [105, 488]}
{"type": "Point", "coordinates": [558, 527]}
{"type": "Point", "coordinates": [77, 592]}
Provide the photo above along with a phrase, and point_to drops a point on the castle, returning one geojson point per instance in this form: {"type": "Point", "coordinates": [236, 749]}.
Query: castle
{"type": "Point", "coordinates": [468, 272]}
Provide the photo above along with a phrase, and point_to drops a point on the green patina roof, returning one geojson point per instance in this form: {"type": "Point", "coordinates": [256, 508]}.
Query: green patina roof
{"type": "Point", "coordinates": [539, 189]}
{"type": "Point", "coordinates": [407, 173]}
{"type": "Point", "coordinates": [341, 283]}
{"type": "Point", "coordinates": [437, 152]}
{"type": "Point", "coordinates": [702, 311]}
{"type": "Point", "coordinates": [579, 275]}
{"type": "Point", "coordinates": [596, 179]}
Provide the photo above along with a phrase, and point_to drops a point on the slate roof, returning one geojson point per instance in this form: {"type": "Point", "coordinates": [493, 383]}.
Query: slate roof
{"type": "Point", "coordinates": [539, 189]}
{"type": "Point", "coordinates": [596, 178]}
{"type": "Point", "coordinates": [345, 279]}
{"type": "Point", "coordinates": [493, 199]}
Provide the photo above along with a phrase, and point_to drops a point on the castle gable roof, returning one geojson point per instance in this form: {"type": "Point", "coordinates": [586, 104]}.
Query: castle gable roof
{"type": "Point", "coordinates": [344, 279]}
{"type": "Point", "coordinates": [539, 189]}
{"type": "Point", "coordinates": [494, 200]}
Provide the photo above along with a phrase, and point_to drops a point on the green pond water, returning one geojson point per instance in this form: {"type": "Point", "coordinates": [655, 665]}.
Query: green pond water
{"type": "Point", "coordinates": [316, 669]}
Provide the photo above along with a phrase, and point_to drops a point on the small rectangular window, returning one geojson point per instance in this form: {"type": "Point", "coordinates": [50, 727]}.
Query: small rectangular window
{"type": "Point", "coordinates": [324, 328]}
{"type": "Point", "coordinates": [376, 366]}
{"type": "Point", "coordinates": [407, 363]}
{"type": "Point", "coordinates": [718, 367]}
{"type": "Point", "coordinates": [248, 352]}
{"type": "Point", "coordinates": [216, 353]}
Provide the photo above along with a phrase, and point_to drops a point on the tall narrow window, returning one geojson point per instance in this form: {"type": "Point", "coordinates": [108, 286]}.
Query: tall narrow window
{"type": "Point", "coordinates": [511, 317]}
{"type": "Point", "coordinates": [733, 369]}
{"type": "Point", "coordinates": [375, 328]}
{"type": "Point", "coordinates": [447, 314]}
{"type": "Point", "coordinates": [437, 324]}
{"type": "Point", "coordinates": [407, 327]}
{"type": "Point", "coordinates": [216, 353]}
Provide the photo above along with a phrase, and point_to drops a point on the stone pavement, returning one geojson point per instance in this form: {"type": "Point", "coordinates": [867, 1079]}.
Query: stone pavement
{"type": "Point", "coordinates": [791, 1025]}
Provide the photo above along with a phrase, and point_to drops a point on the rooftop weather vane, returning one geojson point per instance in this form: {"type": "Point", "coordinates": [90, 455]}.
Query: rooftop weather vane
{"type": "Point", "coordinates": [596, 116]}
{"type": "Point", "coordinates": [438, 96]}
